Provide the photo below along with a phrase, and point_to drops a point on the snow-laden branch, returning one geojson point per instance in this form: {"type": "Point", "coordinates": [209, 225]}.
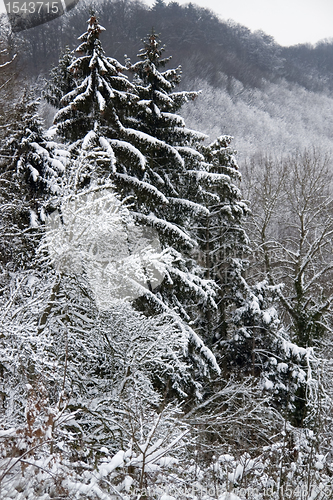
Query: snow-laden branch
{"type": "Point", "coordinates": [316, 277]}
{"type": "Point", "coordinates": [313, 249]}
{"type": "Point", "coordinates": [8, 62]}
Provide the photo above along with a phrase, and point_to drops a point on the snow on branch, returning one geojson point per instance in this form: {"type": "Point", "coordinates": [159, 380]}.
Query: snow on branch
{"type": "Point", "coordinates": [165, 227]}
{"type": "Point", "coordinates": [129, 149]}
{"type": "Point", "coordinates": [149, 140]}
{"type": "Point", "coordinates": [190, 205]}
{"type": "Point", "coordinates": [138, 185]}
{"type": "Point", "coordinates": [8, 62]}
{"type": "Point", "coordinates": [190, 334]}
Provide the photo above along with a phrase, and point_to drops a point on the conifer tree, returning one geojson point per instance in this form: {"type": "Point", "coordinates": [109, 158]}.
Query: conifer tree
{"type": "Point", "coordinates": [157, 115]}
{"type": "Point", "coordinates": [101, 95]}
{"type": "Point", "coordinates": [61, 80]}
{"type": "Point", "coordinates": [188, 185]}
{"type": "Point", "coordinates": [259, 345]}
{"type": "Point", "coordinates": [106, 115]}
{"type": "Point", "coordinates": [158, 100]}
{"type": "Point", "coordinates": [221, 234]}
{"type": "Point", "coordinates": [34, 160]}
{"type": "Point", "coordinates": [30, 173]}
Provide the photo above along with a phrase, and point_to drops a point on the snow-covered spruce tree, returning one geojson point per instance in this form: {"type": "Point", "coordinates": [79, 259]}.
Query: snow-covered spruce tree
{"type": "Point", "coordinates": [105, 117]}
{"type": "Point", "coordinates": [61, 80]}
{"type": "Point", "coordinates": [158, 101]}
{"type": "Point", "coordinates": [249, 338]}
{"type": "Point", "coordinates": [34, 161]}
{"type": "Point", "coordinates": [221, 233]}
{"type": "Point", "coordinates": [210, 179]}
{"type": "Point", "coordinates": [31, 170]}
{"type": "Point", "coordinates": [101, 96]}
{"type": "Point", "coordinates": [259, 345]}
{"type": "Point", "coordinates": [191, 187]}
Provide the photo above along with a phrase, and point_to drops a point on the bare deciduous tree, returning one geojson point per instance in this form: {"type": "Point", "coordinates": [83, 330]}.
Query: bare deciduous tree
{"type": "Point", "coordinates": [292, 230]}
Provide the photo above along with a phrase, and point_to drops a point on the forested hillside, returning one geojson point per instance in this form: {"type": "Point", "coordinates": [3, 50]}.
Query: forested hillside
{"type": "Point", "coordinates": [268, 95]}
{"type": "Point", "coordinates": [165, 302]}
{"type": "Point", "coordinates": [205, 45]}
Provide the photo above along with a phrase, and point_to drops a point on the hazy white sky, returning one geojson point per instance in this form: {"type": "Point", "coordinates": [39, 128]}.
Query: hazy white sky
{"type": "Point", "coordinates": [288, 21]}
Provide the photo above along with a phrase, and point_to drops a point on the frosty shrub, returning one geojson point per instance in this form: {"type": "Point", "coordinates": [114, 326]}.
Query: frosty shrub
{"type": "Point", "coordinates": [79, 389]}
{"type": "Point", "coordinates": [94, 233]}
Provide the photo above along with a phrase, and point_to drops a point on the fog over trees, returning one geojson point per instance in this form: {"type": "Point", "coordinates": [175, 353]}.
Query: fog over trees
{"type": "Point", "coordinates": [165, 259]}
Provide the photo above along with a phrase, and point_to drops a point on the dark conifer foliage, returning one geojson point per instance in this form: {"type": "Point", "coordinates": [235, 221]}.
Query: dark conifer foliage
{"type": "Point", "coordinates": [31, 170]}
{"type": "Point", "coordinates": [101, 88]}
{"type": "Point", "coordinates": [61, 80]}
{"type": "Point", "coordinates": [31, 159]}
{"type": "Point", "coordinates": [109, 123]}
{"type": "Point", "coordinates": [157, 89]}
{"type": "Point", "coordinates": [259, 345]}
{"type": "Point", "coordinates": [222, 236]}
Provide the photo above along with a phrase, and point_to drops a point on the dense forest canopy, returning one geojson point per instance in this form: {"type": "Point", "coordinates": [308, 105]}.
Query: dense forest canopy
{"type": "Point", "coordinates": [268, 95]}
{"type": "Point", "coordinates": [204, 44]}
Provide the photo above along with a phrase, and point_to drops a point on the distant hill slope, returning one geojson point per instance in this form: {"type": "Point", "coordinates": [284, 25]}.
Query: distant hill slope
{"type": "Point", "coordinates": [277, 119]}
{"type": "Point", "coordinates": [198, 39]}
{"type": "Point", "coordinates": [270, 98]}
